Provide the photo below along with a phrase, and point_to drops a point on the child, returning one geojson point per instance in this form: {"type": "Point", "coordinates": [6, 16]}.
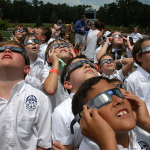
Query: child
{"type": "Point", "coordinates": [78, 49]}
{"type": "Point", "coordinates": [18, 31]}
{"type": "Point", "coordinates": [107, 67]}
{"type": "Point", "coordinates": [25, 111]}
{"type": "Point", "coordinates": [100, 93]}
{"type": "Point", "coordinates": [36, 75]}
{"type": "Point", "coordinates": [138, 81]}
{"type": "Point", "coordinates": [114, 45]}
{"type": "Point", "coordinates": [43, 33]}
{"type": "Point", "coordinates": [53, 36]}
{"type": "Point", "coordinates": [65, 35]}
{"type": "Point", "coordinates": [77, 71]}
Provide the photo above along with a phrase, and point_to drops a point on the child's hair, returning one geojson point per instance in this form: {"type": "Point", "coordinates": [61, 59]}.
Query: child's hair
{"type": "Point", "coordinates": [26, 37]}
{"type": "Point", "coordinates": [80, 97]}
{"type": "Point", "coordinates": [63, 33]}
{"type": "Point", "coordinates": [137, 49]}
{"type": "Point", "coordinates": [115, 80]}
{"type": "Point", "coordinates": [46, 31]}
{"type": "Point", "coordinates": [100, 60]}
{"type": "Point", "coordinates": [20, 26]}
{"type": "Point", "coordinates": [122, 48]}
{"type": "Point", "coordinates": [99, 40]}
{"type": "Point", "coordinates": [49, 45]}
{"type": "Point", "coordinates": [64, 71]}
{"type": "Point", "coordinates": [11, 42]}
{"type": "Point", "coordinates": [77, 47]}
{"type": "Point", "coordinates": [56, 20]}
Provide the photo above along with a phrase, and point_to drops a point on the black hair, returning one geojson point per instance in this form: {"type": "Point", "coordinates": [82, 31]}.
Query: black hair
{"type": "Point", "coordinates": [115, 80]}
{"type": "Point", "coordinates": [80, 97]}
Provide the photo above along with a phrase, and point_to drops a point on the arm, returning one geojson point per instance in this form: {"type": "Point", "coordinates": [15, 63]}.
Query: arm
{"type": "Point", "coordinates": [56, 27]}
{"type": "Point", "coordinates": [39, 148]}
{"type": "Point", "coordinates": [104, 48]}
{"type": "Point", "coordinates": [97, 129]}
{"type": "Point", "coordinates": [51, 82]}
{"type": "Point", "coordinates": [128, 64]}
{"type": "Point", "coordinates": [140, 111]}
{"type": "Point", "coordinates": [59, 146]}
{"type": "Point", "coordinates": [78, 27]}
{"type": "Point", "coordinates": [127, 43]}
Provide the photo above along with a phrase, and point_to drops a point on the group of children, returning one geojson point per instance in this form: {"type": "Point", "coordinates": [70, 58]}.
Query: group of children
{"type": "Point", "coordinates": [45, 87]}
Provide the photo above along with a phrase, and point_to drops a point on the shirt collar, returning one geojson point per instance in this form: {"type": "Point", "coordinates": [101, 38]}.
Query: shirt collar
{"type": "Point", "coordinates": [71, 95]}
{"type": "Point", "coordinates": [42, 45]}
{"type": "Point", "coordinates": [133, 145]}
{"type": "Point", "coordinates": [114, 49]}
{"type": "Point", "coordinates": [145, 74]}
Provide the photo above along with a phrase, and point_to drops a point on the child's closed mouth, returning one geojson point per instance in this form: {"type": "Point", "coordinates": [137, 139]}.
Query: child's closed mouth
{"type": "Point", "coordinates": [63, 50]}
{"type": "Point", "coordinates": [7, 56]}
{"type": "Point", "coordinates": [123, 113]}
{"type": "Point", "coordinates": [89, 70]}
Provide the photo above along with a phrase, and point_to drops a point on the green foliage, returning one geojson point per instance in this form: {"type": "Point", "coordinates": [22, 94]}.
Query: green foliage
{"type": "Point", "coordinates": [4, 24]}
{"type": "Point", "coordinates": [38, 22]}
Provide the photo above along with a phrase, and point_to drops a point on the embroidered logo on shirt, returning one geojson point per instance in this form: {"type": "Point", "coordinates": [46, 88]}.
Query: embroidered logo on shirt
{"type": "Point", "coordinates": [31, 102]}
{"type": "Point", "coordinates": [41, 65]}
{"type": "Point", "coordinates": [144, 145]}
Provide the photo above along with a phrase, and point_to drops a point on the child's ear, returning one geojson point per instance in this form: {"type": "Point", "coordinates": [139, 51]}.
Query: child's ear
{"type": "Point", "coordinates": [138, 58]}
{"type": "Point", "coordinates": [99, 69]}
{"type": "Point", "coordinates": [68, 85]}
{"type": "Point", "coordinates": [48, 60]}
{"type": "Point", "coordinates": [27, 69]}
{"type": "Point", "coordinates": [43, 37]}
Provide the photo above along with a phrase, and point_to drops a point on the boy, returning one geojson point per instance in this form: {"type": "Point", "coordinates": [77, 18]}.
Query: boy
{"type": "Point", "coordinates": [18, 31]}
{"type": "Point", "coordinates": [100, 93]}
{"type": "Point", "coordinates": [77, 71]}
{"type": "Point", "coordinates": [43, 33]}
{"type": "Point", "coordinates": [138, 81]}
{"type": "Point", "coordinates": [65, 35]}
{"type": "Point", "coordinates": [36, 75]}
{"type": "Point", "coordinates": [25, 111]}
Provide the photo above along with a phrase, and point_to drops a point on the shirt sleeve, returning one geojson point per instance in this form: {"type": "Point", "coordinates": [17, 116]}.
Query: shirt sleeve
{"type": "Point", "coordinates": [61, 129]}
{"type": "Point", "coordinates": [43, 124]}
{"type": "Point", "coordinates": [128, 86]}
{"type": "Point", "coordinates": [120, 75]}
{"type": "Point", "coordinates": [78, 27]}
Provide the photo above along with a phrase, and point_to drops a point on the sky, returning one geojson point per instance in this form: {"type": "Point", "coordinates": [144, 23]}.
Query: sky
{"type": "Point", "coordinates": [94, 3]}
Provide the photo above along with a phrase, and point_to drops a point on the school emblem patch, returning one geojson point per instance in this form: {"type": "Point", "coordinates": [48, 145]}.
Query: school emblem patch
{"type": "Point", "coordinates": [144, 145]}
{"type": "Point", "coordinates": [31, 102]}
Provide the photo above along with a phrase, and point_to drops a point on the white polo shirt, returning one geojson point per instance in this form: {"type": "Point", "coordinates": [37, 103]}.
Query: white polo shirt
{"type": "Point", "coordinates": [36, 74]}
{"type": "Point", "coordinates": [60, 95]}
{"type": "Point", "coordinates": [61, 120]}
{"type": "Point", "coordinates": [133, 144]}
{"type": "Point", "coordinates": [117, 74]}
{"type": "Point", "coordinates": [42, 50]}
{"type": "Point", "coordinates": [135, 37]}
{"type": "Point", "coordinates": [138, 83]}
{"type": "Point", "coordinates": [25, 119]}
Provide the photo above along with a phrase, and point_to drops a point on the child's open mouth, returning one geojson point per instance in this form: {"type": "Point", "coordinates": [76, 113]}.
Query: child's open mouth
{"type": "Point", "coordinates": [34, 48]}
{"type": "Point", "coordinates": [123, 113]}
{"type": "Point", "coordinates": [7, 57]}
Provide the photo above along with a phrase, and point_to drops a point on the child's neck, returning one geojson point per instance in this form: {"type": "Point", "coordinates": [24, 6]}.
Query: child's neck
{"type": "Point", "coordinates": [108, 72]}
{"type": "Point", "coordinates": [116, 46]}
{"type": "Point", "coordinates": [41, 42]}
{"type": "Point", "coordinates": [147, 69]}
{"type": "Point", "coordinates": [123, 139]}
{"type": "Point", "coordinates": [7, 82]}
{"type": "Point", "coordinates": [33, 58]}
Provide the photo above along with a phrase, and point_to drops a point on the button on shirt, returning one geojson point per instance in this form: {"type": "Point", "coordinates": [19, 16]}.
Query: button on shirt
{"type": "Point", "coordinates": [61, 120]}
{"type": "Point", "coordinates": [36, 74]}
{"type": "Point", "coordinates": [79, 25]}
{"type": "Point", "coordinates": [138, 83]}
{"type": "Point", "coordinates": [42, 50]}
{"type": "Point", "coordinates": [25, 119]}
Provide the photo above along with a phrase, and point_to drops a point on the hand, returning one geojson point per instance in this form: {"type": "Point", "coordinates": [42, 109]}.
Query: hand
{"type": "Point", "coordinates": [59, 146]}
{"type": "Point", "coordinates": [14, 38]}
{"type": "Point", "coordinates": [94, 127]}
{"type": "Point", "coordinates": [109, 39]}
{"type": "Point", "coordinates": [53, 56]}
{"type": "Point", "coordinates": [71, 51]}
{"type": "Point", "coordinates": [82, 29]}
{"type": "Point", "coordinates": [127, 42]}
{"type": "Point", "coordinates": [139, 108]}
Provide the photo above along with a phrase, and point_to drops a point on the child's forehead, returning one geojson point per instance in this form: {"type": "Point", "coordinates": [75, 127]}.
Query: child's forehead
{"type": "Point", "coordinates": [116, 33]}
{"type": "Point", "coordinates": [77, 59]}
{"type": "Point", "coordinates": [56, 42]}
{"type": "Point", "coordinates": [106, 57]}
{"type": "Point", "coordinates": [30, 37]}
{"type": "Point", "coordinates": [145, 44]}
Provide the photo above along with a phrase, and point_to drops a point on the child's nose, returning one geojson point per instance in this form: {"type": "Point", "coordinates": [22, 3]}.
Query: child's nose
{"type": "Point", "coordinates": [117, 100]}
{"type": "Point", "coordinates": [7, 51]}
{"type": "Point", "coordinates": [86, 65]}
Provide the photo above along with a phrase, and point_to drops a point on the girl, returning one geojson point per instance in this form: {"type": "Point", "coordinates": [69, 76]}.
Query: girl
{"type": "Point", "coordinates": [78, 49]}
{"type": "Point", "coordinates": [114, 45]}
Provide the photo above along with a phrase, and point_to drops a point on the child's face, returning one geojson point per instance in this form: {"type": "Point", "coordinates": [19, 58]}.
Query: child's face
{"type": "Point", "coordinates": [32, 49]}
{"type": "Point", "coordinates": [66, 36]}
{"type": "Point", "coordinates": [117, 41]}
{"type": "Point", "coordinates": [81, 74]}
{"type": "Point", "coordinates": [62, 51]}
{"type": "Point", "coordinates": [145, 58]}
{"type": "Point", "coordinates": [117, 113]}
{"type": "Point", "coordinates": [9, 59]}
{"type": "Point", "coordinates": [109, 66]}
{"type": "Point", "coordinates": [121, 89]}
{"type": "Point", "coordinates": [19, 34]}
{"type": "Point", "coordinates": [38, 33]}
